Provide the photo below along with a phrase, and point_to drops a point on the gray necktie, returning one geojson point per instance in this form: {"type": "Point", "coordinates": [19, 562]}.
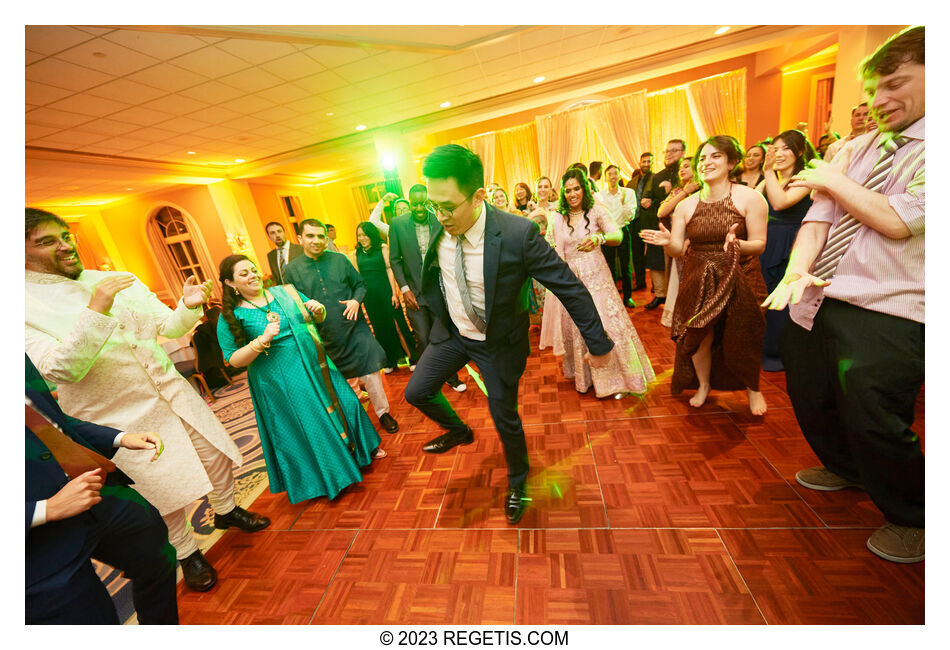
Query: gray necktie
{"type": "Point", "coordinates": [281, 262]}
{"type": "Point", "coordinates": [477, 316]}
{"type": "Point", "coordinates": [841, 236]}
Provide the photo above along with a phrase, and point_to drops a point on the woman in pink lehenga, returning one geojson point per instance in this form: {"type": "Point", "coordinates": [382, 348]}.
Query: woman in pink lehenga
{"type": "Point", "coordinates": [579, 231]}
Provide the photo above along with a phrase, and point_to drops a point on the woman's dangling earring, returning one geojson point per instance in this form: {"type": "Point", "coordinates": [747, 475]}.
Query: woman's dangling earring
{"type": "Point", "coordinates": [236, 292]}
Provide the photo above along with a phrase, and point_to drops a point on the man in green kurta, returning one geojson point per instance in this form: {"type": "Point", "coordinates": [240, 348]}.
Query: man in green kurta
{"type": "Point", "coordinates": [331, 279]}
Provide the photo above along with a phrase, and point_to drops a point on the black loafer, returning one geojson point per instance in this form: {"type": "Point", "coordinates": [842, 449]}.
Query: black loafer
{"type": "Point", "coordinates": [249, 522]}
{"type": "Point", "coordinates": [630, 303]}
{"type": "Point", "coordinates": [656, 302]}
{"type": "Point", "coordinates": [389, 423]}
{"type": "Point", "coordinates": [446, 441]}
{"type": "Point", "coordinates": [198, 573]}
{"type": "Point", "coordinates": [516, 502]}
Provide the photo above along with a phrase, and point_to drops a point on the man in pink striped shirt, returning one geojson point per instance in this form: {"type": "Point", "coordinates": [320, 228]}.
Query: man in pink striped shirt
{"type": "Point", "coordinates": [854, 354]}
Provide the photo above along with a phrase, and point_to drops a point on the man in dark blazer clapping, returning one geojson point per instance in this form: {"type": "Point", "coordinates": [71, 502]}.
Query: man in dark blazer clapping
{"type": "Point", "coordinates": [410, 235]}
{"type": "Point", "coordinates": [474, 281]}
{"type": "Point", "coordinates": [74, 513]}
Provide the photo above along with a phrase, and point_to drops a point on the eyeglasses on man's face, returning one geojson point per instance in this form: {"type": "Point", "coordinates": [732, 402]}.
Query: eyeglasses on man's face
{"type": "Point", "coordinates": [447, 212]}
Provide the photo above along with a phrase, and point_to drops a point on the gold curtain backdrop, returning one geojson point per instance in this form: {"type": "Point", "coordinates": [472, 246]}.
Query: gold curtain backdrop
{"type": "Point", "coordinates": [615, 131]}
{"type": "Point", "coordinates": [483, 145]}
{"type": "Point", "coordinates": [717, 105]}
{"type": "Point", "coordinates": [670, 118]}
{"type": "Point", "coordinates": [518, 149]}
{"type": "Point", "coordinates": [620, 127]}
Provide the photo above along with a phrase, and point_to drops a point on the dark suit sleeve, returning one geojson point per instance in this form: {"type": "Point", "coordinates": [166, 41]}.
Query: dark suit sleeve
{"type": "Point", "coordinates": [396, 259]}
{"type": "Point", "coordinates": [546, 267]}
{"type": "Point", "coordinates": [272, 262]}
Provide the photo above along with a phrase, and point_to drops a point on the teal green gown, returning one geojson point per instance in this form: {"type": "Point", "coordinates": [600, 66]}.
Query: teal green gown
{"type": "Point", "coordinates": [306, 455]}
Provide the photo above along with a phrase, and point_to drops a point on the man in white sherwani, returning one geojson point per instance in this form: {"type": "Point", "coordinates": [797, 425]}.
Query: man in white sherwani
{"type": "Point", "coordinates": [93, 334]}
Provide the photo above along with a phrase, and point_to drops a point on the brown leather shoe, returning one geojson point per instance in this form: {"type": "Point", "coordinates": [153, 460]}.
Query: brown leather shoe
{"type": "Point", "coordinates": [903, 544]}
{"type": "Point", "coordinates": [824, 480]}
{"type": "Point", "coordinates": [249, 522]}
{"type": "Point", "coordinates": [198, 573]}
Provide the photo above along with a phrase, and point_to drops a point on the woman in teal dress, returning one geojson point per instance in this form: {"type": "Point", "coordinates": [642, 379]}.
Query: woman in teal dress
{"type": "Point", "coordinates": [314, 433]}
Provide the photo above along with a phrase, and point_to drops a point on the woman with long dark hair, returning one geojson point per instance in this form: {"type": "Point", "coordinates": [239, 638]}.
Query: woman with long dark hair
{"type": "Point", "coordinates": [581, 228]}
{"type": "Point", "coordinates": [788, 155]}
{"type": "Point", "coordinates": [314, 433]}
{"type": "Point", "coordinates": [382, 297]}
{"type": "Point", "coordinates": [717, 322]}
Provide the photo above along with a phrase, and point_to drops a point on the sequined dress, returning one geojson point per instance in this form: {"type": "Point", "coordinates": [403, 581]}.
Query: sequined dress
{"type": "Point", "coordinates": [722, 291]}
{"type": "Point", "coordinates": [628, 369]}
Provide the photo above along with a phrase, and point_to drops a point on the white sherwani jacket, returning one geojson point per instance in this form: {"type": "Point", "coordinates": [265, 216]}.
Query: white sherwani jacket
{"type": "Point", "coordinates": [111, 370]}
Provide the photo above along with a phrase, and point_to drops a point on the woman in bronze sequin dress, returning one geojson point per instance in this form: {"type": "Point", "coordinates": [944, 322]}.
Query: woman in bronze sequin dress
{"type": "Point", "coordinates": [718, 324]}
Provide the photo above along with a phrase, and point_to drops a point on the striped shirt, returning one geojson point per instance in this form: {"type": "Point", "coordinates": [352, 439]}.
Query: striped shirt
{"type": "Point", "coordinates": [878, 273]}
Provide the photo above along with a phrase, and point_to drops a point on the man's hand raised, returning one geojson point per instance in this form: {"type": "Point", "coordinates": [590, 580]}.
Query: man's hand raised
{"type": "Point", "coordinates": [103, 294]}
{"type": "Point", "coordinates": [194, 294]}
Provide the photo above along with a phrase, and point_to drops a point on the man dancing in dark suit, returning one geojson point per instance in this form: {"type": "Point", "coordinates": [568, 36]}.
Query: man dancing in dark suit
{"type": "Point", "coordinates": [473, 281]}
{"type": "Point", "coordinates": [72, 517]}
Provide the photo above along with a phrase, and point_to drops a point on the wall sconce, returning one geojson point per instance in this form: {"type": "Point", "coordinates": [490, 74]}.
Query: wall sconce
{"type": "Point", "coordinates": [237, 244]}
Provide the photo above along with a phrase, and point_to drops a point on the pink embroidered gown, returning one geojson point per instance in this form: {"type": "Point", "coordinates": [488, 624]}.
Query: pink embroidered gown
{"type": "Point", "coordinates": [629, 369]}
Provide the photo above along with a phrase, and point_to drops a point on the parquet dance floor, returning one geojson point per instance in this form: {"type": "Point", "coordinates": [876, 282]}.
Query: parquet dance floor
{"type": "Point", "coordinates": [645, 510]}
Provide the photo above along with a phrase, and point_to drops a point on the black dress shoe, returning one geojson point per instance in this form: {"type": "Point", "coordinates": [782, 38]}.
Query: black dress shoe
{"type": "Point", "coordinates": [630, 303]}
{"type": "Point", "coordinates": [198, 573]}
{"type": "Point", "coordinates": [389, 423]}
{"type": "Point", "coordinates": [656, 302]}
{"type": "Point", "coordinates": [249, 522]}
{"type": "Point", "coordinates": [516, 502]}
{"type": "Point", "coordinates": [446, 441]}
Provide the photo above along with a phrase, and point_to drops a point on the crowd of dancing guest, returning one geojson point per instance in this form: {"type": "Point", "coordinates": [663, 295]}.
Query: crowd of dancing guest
{"type": "Point", "coordinates": [835, 245]}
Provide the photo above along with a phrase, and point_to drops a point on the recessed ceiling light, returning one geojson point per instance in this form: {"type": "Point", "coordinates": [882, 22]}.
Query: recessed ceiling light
{"type": "Point", "coordinates": [538, 80]}
{"type": "Point", "coordinates": [238, 160]}
{"type": "Point", "coordinates": [191, 153]}
{"type": "Point", "coordinates": [329, 114]}
{"type": "Point", "coordinates": [128, 189]}
{"type": "Point", "coordinates": [722, 30]}
{"type": "Point", "coordinates": [361, 127]}
{"type": "Point", "coordinates": [445, 104]}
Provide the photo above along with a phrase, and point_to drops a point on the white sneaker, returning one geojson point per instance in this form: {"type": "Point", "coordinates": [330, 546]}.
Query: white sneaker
{"type": "Point", "coordinates": [459, 387]}
{"type": "Point", "coordinates": [386, 371]}
{"type": "Point", "coordinates": [412, 367]}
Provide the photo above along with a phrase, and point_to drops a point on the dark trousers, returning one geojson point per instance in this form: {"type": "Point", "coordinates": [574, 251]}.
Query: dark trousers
{"type": "Point", "coordinates": [637, 250]}
{"type": "Point", "coordinates": [623, 252]}
{"type": "Point", "coordinates": [421, 325]}
{"type": "Point", "coordinates": [126, 532]}
{"type": "Point", "coordinates": [439, 362]}
{"type": "Point", "coordinates": [853, 381]}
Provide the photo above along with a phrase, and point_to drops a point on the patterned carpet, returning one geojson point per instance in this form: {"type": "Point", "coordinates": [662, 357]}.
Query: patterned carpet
{"type": "Point", "coordinates": [233, 407]}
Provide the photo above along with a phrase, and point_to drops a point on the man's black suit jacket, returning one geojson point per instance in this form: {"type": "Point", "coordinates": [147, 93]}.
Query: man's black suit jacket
{"type": "Point", "coordinates": [405, 258]}
{"type": "Point", "coordinates": [658, 194]}
{"type": "Point", "coordinates": [56, 546]}
{"type": "Point", "coordinates": [514, 252]}
{"type": "Point", "coordinates": [296, 250]}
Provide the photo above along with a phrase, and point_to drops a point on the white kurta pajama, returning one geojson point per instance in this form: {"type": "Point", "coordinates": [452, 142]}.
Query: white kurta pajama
{"type": "Point", "coordinates": [111, 370]}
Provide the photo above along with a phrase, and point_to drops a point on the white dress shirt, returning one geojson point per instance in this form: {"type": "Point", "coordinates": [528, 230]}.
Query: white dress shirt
{"type": "Point", "coordinates": [620, 206]}
{"type": "Point", "coordinates": [474, 248]}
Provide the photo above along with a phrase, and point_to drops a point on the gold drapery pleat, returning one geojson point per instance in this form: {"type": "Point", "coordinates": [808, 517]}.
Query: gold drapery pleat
{"type": "Point", "coordinates": [717, 105]}
{"type": "Point", "coordinates": [518, 154]}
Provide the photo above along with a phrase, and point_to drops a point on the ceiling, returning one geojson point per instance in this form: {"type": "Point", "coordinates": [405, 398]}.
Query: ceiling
{"type": "Point", "coordinates": [117, 109]}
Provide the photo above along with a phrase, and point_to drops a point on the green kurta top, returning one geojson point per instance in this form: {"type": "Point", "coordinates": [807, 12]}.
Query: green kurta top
{"type": "Point", "coordinates": [330, 279]}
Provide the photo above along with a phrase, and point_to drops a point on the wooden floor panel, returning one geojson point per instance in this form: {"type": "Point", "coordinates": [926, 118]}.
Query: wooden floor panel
{"type": "Point", "coordinates": [644, 510]}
